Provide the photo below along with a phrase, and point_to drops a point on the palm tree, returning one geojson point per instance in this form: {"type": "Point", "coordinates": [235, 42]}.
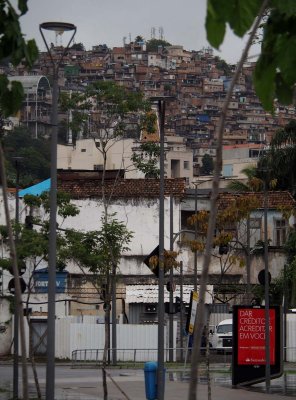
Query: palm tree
{"type": "Point", "coordinates": [253, 183]}
{"type": "Point", "coordinates": [280, 159]}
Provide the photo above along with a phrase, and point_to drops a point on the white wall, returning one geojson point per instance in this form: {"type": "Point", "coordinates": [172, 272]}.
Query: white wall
{"type": "Point", "coordinates": [85, 154]}
{"type": "Point", "coordinates": [140, 216]}
{"type": "Point", "coordinates": [5, 327]}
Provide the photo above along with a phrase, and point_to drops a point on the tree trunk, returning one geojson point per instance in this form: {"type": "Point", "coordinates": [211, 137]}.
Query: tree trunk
{"type": "Point", "coordinates": [32, 359]}
{"type": "Point", "coordinates": [106, 353]}
{"type": "Point", "coordinates": [18, 294]}
{"type": "Point", "coordinates": [199, 320]}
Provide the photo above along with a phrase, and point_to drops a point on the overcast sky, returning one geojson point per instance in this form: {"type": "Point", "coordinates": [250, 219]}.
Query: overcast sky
{"type": "Point", "coordinates": [109, 21]}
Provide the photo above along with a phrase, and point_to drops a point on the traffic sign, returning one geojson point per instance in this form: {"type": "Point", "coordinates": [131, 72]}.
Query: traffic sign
{"type": "Point", "coordinates": [11, 285]}
{"type": "Point", "coordinates": [149, 261]}
{"type": "Point", "coordinates": [192, 312]}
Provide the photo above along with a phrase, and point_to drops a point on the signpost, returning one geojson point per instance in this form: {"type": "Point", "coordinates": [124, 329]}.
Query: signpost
{"type": "Point", "coordinates": [192, 312]}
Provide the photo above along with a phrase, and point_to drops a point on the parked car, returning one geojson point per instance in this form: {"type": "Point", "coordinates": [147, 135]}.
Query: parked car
{"type": "Point", "coordinates": [222, 337]}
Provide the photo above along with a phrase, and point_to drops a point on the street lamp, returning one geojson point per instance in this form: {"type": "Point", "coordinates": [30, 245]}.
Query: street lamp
{"type": "Point", "coordinates": [161, 101]}
{"type": "Point", "coordinates": [58, 28]}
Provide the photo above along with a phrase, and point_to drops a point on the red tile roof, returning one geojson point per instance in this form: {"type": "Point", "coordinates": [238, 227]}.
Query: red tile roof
{"type": "Point", "coordinates": [275, 200]}
{"type": "Point", "coordinates": [90, 186]}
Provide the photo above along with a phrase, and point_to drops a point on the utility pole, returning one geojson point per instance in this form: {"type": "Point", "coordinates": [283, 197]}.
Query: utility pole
{"type": "Point", "coordinates": [171, 315]}
{"type": "Point", "coordinates": [160, 370]}
{"type": "Point", "coordinates": [266, 294]}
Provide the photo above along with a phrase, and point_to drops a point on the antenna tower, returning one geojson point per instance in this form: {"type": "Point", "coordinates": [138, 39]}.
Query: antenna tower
{"type": "Point", "coordinates": [153, 33]}
{"type": "Point", "coordinates": [161, 35]}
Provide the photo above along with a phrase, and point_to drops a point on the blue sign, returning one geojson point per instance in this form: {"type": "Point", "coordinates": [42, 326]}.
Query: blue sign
{"type": "Point", "coordinates": [41, 281]}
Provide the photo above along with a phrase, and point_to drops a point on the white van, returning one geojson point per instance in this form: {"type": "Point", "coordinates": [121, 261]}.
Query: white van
{"type": "Point", "coordinates": [222, 336]}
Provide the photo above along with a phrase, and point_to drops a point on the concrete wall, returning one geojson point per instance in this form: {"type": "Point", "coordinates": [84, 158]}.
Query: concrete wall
{"type": "Point", "coordinates": [5, 327]}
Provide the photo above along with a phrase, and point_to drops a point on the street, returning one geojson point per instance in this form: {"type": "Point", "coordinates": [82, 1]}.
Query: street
{"type": "Point", "coordinates": [86, 384]}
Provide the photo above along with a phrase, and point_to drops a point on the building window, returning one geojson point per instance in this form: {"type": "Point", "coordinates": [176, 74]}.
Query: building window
{"type": "Point", "coordinates": [83, 150]}
{"type": "Point", "coordinates": [186, 164]}
{"type": "Point", "coordinates": [255, 225]}
{"type": "Point", "coordinates": [281, 229]}
{"type": "Point", "coordinates": [98, 167]}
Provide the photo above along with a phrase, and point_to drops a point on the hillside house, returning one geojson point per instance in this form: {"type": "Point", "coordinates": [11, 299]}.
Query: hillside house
{"type": "Point", "coordinates": [86, 155]}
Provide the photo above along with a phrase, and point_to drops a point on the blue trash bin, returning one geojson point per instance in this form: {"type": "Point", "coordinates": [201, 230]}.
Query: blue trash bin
{"type": "Point", "coordinates": [150, 371]}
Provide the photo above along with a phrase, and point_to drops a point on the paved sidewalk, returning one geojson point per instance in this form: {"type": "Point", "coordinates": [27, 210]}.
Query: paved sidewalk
{"type": "Point", "coordinates": [128, 384]}
{"type": "Point", "coordinates": [133, 387]}
{"type": "Point", "coordinates": [135, 390]}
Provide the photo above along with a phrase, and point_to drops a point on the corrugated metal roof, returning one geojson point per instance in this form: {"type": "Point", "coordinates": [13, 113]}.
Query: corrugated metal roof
{"type": "Point", "coordinates": [31, 83]}
{"type": "Point", "coordinates": [37, 189]}
{"type": "Point", "coordinates": [149, 293]}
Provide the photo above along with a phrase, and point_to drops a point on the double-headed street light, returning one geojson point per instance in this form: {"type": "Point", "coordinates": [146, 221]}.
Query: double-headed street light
{"type": "Point", "coordinates": [58, 28]}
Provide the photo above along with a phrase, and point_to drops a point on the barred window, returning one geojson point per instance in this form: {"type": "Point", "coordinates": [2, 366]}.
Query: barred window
{"type": "Point", "coordinates": [281, 229]}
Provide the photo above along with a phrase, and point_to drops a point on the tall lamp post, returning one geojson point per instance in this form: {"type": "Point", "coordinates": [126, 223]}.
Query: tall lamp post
{"type": "Point", "coordinates": [58, 28]}
{"type": "Point", "coordinates": [161, 102]}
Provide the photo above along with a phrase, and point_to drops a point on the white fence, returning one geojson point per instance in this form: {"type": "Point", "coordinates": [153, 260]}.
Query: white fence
{"type": "Point", "coordinates": [72, 335]}
{"type": "Point", "coordinates": [90, 335]}
{"type": "Point", "coordinates": [291, 338]}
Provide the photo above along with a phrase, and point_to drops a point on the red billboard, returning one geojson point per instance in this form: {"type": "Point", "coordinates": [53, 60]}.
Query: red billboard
{"type": "Point", "coordinates": [251, 336]}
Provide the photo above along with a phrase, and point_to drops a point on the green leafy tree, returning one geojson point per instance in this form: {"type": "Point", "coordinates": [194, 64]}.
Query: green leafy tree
{"type": "Point", "coordinates": [139, 39]}
{"type": "Point", "coordinates": [253, 182]}
{"type": "Point", "coordinates": [223, 66]}
{"type": "Point", "coordinates": [207, 164]}
{"type": "Point", "coordinates": [153, 44]}
{"type": "Point", "coordinates": [78, 47]}
{"type": "Point", "coordinates": [80, 107]}
{"type": "Point", "coordinates": [146, 159]}
{"type": "Point", "coordinates": [100, 252]}
{"type": "Point", "coordinates": [95, 251]}
{"type": "Point", "coordinates": [275, 75]}
{"type": "Point", "coordinates": [116, 113]}
{"type": "Point", "coordinates": [280, 158]}
{"type": "Point", "coordinates": [286, 282]}
{"type": "Point", "coordinates": [15, 49]}
{"type": "Point", "coordinates": [146, 156]}
{"type": "Point", "coordinates": [35, 153]}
